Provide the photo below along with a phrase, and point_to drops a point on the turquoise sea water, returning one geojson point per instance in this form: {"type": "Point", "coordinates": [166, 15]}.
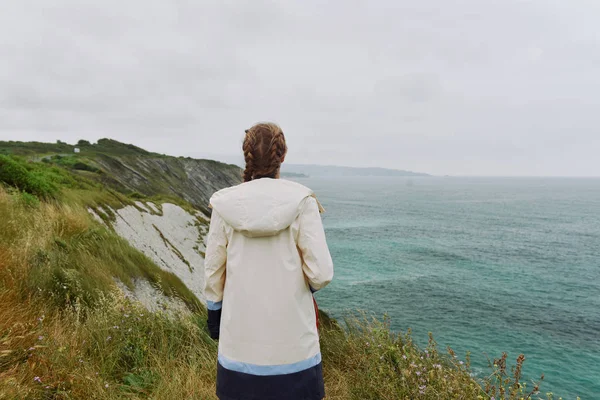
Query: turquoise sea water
{"type": "Point", "coordinates": [486, 264]}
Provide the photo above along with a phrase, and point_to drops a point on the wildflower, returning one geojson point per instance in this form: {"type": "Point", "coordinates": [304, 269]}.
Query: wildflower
{"type": "Point", "coordinates": [80, 361]}
{"type": "Point", "coordinates": [31, 348]}
{"type": "Point", "coordinates": [126, 315]}
{"type": "Point", "coordinates": [404, 356]}
{"type": "Point", "coordinates": [37, 379]}
{"type": "Point", "coordinates": [461, 362]}
{"type": "Point", "coordinates": [106, 385]}
{"type": "Point", "coordinates": [381, 358]}
{"type": "Point", "coordinates": [422, 389]}
{"type": "Point", "coordinates": [367, 344]}
{"type": "Point", "coordinates": [418, 373]}
{"type": "Point", "coordinates": [40, 338]}
{"type": "Point", "coordinates": [47, 387]}
{"type": "Point", "coordinates": [116, 327]}
{"type": "Point", "coordinates": [108, 338]}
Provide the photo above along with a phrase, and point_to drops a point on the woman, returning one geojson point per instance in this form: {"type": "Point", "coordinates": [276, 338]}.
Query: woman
{"type": "Point", "coordinates": [266, 254]}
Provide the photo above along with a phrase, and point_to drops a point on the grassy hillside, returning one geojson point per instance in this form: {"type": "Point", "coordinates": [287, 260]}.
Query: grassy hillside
{"type": "Point", "coordinates": [133, 171]}
{"type": "Point", "coordinates": [103, 146]}
{"type": "Point", "coordinates": [67, 332]}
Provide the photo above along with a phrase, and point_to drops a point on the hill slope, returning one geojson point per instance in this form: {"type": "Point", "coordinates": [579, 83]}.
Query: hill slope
{"type": "Point", "coordinates": [132, 170]}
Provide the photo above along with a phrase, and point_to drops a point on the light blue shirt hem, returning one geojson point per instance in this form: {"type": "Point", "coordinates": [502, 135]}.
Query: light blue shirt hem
{"type": "Point", "coordinates": [269, 370]}
{"type": "Point", "coordinates": [214, 306]}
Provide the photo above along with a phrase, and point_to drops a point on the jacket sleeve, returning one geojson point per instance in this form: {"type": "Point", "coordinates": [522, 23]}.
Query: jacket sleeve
{"type": "Point", "coordinates": [317, 263]}
{"type": "Point", "coordinates": [214, 269]}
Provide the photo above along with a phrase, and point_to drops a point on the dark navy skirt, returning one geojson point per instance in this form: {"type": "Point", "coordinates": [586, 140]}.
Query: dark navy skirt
{"type": "Point", "coordinates": [304, 385]}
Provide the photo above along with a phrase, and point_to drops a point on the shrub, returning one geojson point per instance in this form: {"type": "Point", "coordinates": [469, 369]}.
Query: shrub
{"type": "Point", "coordinates": [136, 195]}
{"type": "Point", "coordinates": [81, 166]}
{"type": "Point", "coordinates": [73, 162]}
{"type": "Point", "coordinates": [11, 172]}
{"type": "Point", "coordinates": [14, 172]}
{"type": "Point", "coordinates": [29, 200]}
{"type": "Point", "coordinates": [43, 180]}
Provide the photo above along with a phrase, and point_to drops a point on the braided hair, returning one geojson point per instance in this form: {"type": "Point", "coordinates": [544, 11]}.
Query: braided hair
{"type": "Point", "coordinates": [264, 149]}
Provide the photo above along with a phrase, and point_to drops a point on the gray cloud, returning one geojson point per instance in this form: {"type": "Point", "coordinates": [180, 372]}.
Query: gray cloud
{"type": "Point", "coordinates": [448, 87]}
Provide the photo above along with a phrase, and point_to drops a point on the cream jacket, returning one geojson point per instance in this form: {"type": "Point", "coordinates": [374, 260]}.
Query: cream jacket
{"type": "Point", "coordinates": [266, 251]}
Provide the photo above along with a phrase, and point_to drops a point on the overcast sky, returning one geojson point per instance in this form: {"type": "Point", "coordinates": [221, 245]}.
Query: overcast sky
{"type": "Point", "coordinates": [460, 87]}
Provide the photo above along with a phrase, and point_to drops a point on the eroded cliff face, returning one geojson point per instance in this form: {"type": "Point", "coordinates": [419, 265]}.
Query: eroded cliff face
{"type": "Point", "coordinates": [171, 237]}
{"type": "Point", "coordinates": [191, 180]}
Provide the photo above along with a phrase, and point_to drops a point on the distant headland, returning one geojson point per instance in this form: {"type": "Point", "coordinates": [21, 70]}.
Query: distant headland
{"type": "Point", "coordinates": [306, 170]}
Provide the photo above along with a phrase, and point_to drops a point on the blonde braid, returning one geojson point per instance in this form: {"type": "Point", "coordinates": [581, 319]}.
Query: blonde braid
{"type": "Point", "coordinates": [248, 149]}
{"type": "Point", "coordinates": [277, 151]}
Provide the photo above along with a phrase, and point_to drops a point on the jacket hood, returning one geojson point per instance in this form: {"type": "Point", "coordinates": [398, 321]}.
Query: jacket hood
{"type": "Point", "coordinates": [262, 207]}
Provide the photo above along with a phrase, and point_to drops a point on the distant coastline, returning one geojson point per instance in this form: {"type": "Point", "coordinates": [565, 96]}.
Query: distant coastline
{"type": "Point", "coordinates": [308, 170]}
{"type": "Point", "coordinates": [294, 175]}
{"type": "Point", "coordinates": [316, 170]}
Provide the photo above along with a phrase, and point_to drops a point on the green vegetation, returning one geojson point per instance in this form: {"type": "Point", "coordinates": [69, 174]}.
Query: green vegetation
{"type": "Point", "coordinates": [67, 332]}
{"type": "Point", "coordinates": [34, 178]}
{"type": "Point", "coordinates": [33, 148]}
{"type": "Point", "coordinates": [109, 146]}
{"type": "Point", "coordinates": [133, 171]}
{"type": "Point", "coordinates": [72, 162]}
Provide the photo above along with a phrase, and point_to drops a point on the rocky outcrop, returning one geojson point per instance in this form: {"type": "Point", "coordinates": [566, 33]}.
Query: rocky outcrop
{"type": "Point", "coordinates": [189, 179]}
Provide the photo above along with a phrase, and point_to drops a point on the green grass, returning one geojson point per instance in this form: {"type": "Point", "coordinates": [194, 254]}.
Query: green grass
{"type": "Point", "coordinates": [29, 177]}
{"type": "Point", "coordinates": [73, 162]}
{"type": "Point", "coordinates": [102, 146]}
{"type": "Point", "coordinates": [33, 148]}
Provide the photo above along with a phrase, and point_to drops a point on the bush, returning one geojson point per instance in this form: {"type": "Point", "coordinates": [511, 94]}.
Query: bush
{"type": "Point", "coordinates": [81, 166]}
{"type": "Point", "coordinates": [14, 172]}
{"type": "Point", "coordinates": [11, 172]}
{"type": "Point", "coordinates": [136, 195]}
{"type": "Point", "coordinates": [73, 162]}
{"type": "Point", "coordinates": [29, 200]}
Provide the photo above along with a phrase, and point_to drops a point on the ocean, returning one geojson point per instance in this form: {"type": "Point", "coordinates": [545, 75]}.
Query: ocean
{"type": "Point", "coordinates": [486, 264]}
